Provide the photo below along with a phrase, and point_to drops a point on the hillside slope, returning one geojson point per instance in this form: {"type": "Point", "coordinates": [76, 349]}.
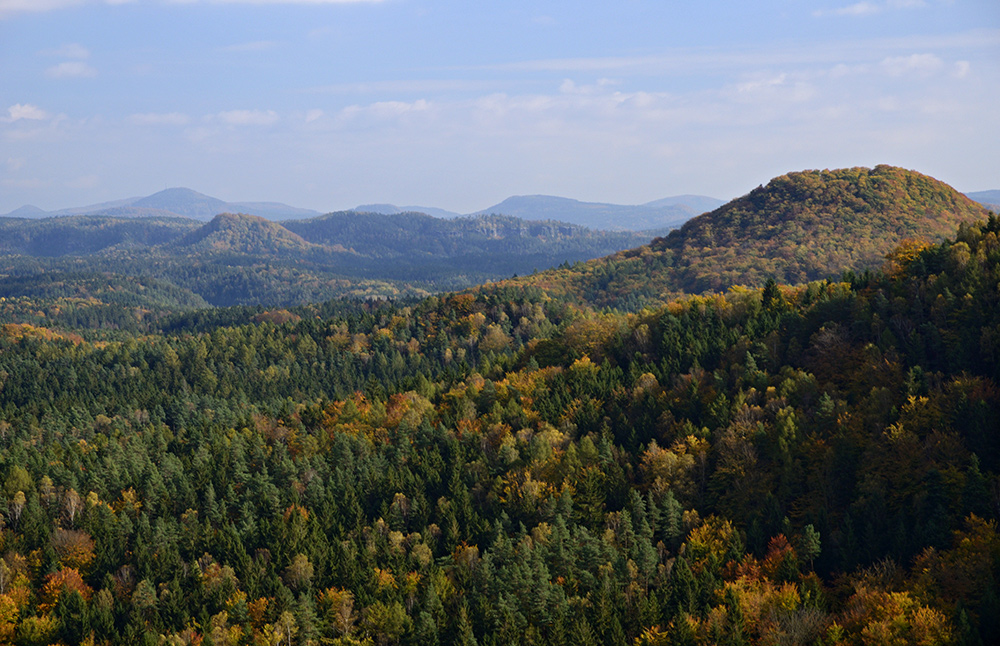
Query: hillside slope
{"type": "Point", "coordinates": [802, 226]}
{"type": "Point", "coordinates": [80, 235]}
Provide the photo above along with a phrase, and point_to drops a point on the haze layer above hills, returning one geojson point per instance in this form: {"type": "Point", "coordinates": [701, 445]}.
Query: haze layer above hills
{"type": "Point", "coordinates": [172, 202]}
{"type": "Point", "coordinates": [658, 215]}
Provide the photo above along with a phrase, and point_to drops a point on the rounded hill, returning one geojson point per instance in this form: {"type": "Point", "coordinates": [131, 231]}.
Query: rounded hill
{"type": "Point", "coordinates": [802, 226]}
{"type": "Point", "coordinates": [243, 234]}
{"type": "Point", "coordinates": [814, 224]}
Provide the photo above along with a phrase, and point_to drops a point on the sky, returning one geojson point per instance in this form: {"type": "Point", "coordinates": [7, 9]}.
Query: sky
{"type": "Point", "coordinates": [328, 104]}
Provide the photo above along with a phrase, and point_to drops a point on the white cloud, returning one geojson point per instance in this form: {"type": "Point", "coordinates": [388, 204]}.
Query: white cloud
{"type": "Point", "coordinates": [9, 7]}
{"type": "Point", "coordinates": [961, 69]}
{"type": "Point", "coordinates": [920, 64]}
{"type": "Point", "coordinates": [314, 115]}
{"type": "Point", "coordinates": [27, 111]}
{"type": "Point", "coordinates": [569, 86]}
{"type": "Point", "coordinates": [15, 164]}
{"type": "Point", "coordinates": [71, 69]}
{"type": "Point", "coordinates": [159, 119]}
{"type": "Point", "coordinates": [762, 83]}
{"type": "Point", "coordinates": [842, 70]}
{"type": "Point", "coordinates": [248, 117]}
{"type": "Point", "coordinates": [13, 7]}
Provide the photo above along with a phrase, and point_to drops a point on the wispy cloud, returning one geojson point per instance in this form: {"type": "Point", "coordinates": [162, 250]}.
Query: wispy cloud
{"type": "Point", "coordinates": [71, 69]}
{"type": "Point", "coordinates": [248, 117]}
{"type": "Point", "coordinates": [865, 8]}
{"type": "Point", "coordinates": [10, 7]}
{"type": "Point", "coordinates": [315, 2]}
{"type": "Point", "coordinates": [27, 111]}
{"type": "Point", "coordinates": [920, 64]}
{"type": "Point", "coordinates": [858, 9]}
{"type": "Point", "coordinates": [416, 86]}
{"type": "Point", "coordinates": [13, 7]}
{"type": "Point", "coordinates": [260, 2]}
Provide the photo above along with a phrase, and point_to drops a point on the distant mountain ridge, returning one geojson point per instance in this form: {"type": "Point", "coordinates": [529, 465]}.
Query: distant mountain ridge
{"type": "Point", "coordinates": [661, 214]}
{"type": "Point", "coordinates": [989, 199]}
{"type": "Point", "coordinates": [172, 202]}
{"type": "Point", "coordinates": [656, 216]}
{"type": "Point", "coordinates": [665, 213]}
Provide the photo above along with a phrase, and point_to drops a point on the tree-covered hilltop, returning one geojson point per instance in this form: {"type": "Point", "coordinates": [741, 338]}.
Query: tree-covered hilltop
{"type": "Point", "coordinates": [802, 226]}
{"type": "Point", "coordinates": [242, 234]}
{"type": "Point", "coordinates": [817, 464]}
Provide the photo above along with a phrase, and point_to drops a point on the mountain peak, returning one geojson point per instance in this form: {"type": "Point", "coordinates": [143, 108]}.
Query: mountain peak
{"type": "Point", "coordinates": [182, 201]}
{"type": "Point", "coordinates": [27, 211]}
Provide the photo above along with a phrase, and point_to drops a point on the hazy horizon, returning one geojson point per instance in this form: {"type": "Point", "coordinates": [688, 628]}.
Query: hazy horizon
{"type": "Point", "coordinates": [328, 104]}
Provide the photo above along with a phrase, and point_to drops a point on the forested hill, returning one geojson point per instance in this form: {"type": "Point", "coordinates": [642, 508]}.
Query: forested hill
{"type": "Point", "coordinates": [245, 259]}
{"type": "Point", "coordinates": [417, 235]}
{"type": "Point", "coordinates": [802, 226]}
{"type": "Point", "coordinates": [813, 465]}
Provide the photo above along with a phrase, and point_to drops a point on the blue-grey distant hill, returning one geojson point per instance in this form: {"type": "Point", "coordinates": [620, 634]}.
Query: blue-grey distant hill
{"type": "Point", "coordinates": [656, 216]}
{"type": "Point", "coordinates": [27, 211]}
{"type": "Point", "coordinates": [661, 214]}
{"type": "Point", "coordinates": [173, 202]}
{"type": "Point", "coordinates": [665, 213]}
{"type": "Point", "coordinates": [989, 199]}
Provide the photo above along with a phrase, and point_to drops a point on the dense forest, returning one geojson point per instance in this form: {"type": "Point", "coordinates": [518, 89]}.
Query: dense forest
{"type": "Point", "coordinates": [809, 464]}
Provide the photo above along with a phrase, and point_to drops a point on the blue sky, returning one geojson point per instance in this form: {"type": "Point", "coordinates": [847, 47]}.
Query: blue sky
{"type": "Point", "coordinates": [327, 105]}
